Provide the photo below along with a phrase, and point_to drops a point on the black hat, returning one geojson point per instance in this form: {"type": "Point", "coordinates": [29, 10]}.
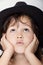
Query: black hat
{"type": "Point", "coordinates": [22, 7]}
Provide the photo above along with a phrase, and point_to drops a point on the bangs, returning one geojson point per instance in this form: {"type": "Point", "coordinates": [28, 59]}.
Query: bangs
{"type": "Point", "coordinates": [23, 19]}
{"type": "Point", "coordinates": [12, 21]}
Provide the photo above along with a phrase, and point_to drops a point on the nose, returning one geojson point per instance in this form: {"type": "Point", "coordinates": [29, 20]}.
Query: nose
{"type": "Point", "coordinates": [19, 35]}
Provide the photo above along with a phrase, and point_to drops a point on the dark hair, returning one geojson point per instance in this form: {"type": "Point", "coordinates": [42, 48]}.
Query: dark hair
{"type": "Point", "coordinates": [15, 16]}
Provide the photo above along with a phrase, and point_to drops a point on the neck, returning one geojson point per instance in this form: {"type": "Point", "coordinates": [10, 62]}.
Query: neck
{"type": "Point", "coordinates": [20, 59]}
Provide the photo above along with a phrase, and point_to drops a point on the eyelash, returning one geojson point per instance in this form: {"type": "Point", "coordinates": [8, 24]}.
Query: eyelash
{"type": "Point", "coordinates": [26, 29]}
{"type": "Point", "coordinates": [12, 30]}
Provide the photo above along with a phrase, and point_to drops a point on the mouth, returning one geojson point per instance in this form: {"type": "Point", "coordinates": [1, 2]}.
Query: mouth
{"type": "Point", "coordinates": [20, 43]}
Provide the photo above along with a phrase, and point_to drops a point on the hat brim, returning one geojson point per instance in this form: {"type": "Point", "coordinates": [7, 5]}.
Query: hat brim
{"type": "Point", "coordinates": [32, 11]}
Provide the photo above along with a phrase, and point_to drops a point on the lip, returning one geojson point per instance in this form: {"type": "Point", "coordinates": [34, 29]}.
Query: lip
{"type": "Point", "coordinates": [20, 42]}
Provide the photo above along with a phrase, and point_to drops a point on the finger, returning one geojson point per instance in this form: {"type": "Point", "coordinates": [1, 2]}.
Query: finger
{"type": "Point", "coordinates": [34, 39]}
{"type": "Point", "coordinates": [2, 42]}
{"type": "Point", "coordinates": [7, 42]}
{"type": "Point", "coordinates": [35, 43]}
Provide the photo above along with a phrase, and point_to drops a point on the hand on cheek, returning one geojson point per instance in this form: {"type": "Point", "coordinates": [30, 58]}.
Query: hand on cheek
{"type": "Point", "coordinates": [6, 44]}
{"type": "Point", "coordinates": [32, 47]}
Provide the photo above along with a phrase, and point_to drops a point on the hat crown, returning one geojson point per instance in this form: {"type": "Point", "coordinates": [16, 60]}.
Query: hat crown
{"type": "Point", "coordinates": [20, 3]}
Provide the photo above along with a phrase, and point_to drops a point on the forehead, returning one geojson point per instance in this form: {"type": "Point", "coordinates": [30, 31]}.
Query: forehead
{"type": "Point", "coordinates": [23, 19]}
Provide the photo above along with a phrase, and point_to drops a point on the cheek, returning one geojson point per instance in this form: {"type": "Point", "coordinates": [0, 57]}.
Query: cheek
{"type": "Point", "coordinates": [11, 38]}
{"type": "Point", "coordinates": [28, 39]}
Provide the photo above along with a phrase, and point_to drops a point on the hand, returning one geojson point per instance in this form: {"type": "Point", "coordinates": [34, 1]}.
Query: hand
{"type": "Point", "coordinates": [32, 47]}
{"type": "Point", "coordinates": [6, 44]}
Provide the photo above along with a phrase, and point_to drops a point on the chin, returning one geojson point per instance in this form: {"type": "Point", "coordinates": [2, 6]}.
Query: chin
{"type": "Point", "coordinates": [19, 50]}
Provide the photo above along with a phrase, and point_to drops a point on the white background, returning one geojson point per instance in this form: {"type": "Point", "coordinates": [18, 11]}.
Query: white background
{"type": "Point", "coordinates": [8, 3]}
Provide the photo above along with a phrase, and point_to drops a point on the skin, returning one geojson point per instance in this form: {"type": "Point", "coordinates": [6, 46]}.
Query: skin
{"type": "Point", "coordinates": [20, 39]}
{"type": "Point", "coordinates": [16, 34]}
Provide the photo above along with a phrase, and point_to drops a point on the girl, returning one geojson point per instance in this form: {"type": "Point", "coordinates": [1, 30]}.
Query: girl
{"type": "Point", "coordinates": [19, 39]}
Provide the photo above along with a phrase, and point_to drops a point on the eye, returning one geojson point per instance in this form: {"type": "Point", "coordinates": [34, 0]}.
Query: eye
{"type": "Point", "coordinates": [12, 30]}
{"type": "Point", "coordinates": [26, 30]}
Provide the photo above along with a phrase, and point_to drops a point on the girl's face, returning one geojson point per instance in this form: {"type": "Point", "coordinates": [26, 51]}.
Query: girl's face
{"type": "Point", "coordinates": [20, 34]}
